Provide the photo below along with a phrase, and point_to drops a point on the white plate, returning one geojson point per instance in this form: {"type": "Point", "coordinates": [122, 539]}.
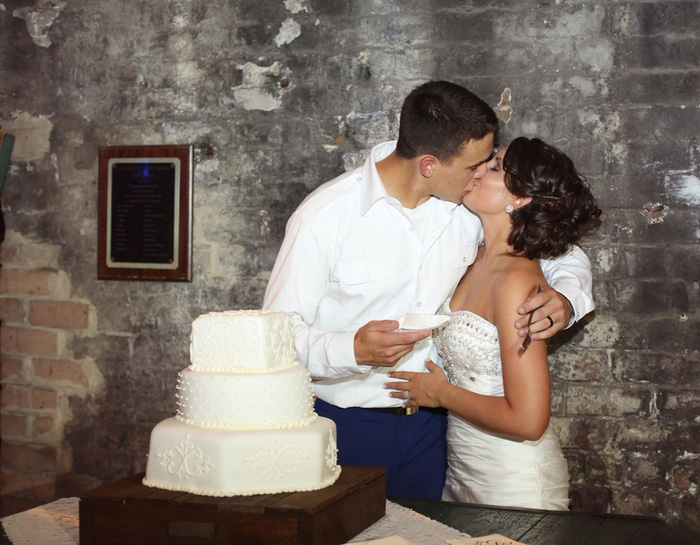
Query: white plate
{"type": "Point", "coordinates": [417, 322]}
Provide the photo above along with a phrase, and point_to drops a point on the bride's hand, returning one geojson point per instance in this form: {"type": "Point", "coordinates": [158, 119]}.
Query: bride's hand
{"type": "Point", "coordinates": [423, 388]}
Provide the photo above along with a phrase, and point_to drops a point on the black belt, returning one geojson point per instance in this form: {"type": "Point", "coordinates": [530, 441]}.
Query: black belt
{"type": "Point", "coordinates": [405, 411]}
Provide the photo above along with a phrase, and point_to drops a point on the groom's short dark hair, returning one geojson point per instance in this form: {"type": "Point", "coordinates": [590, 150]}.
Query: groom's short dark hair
{"type": "Point", "coordinates": [439, 117]}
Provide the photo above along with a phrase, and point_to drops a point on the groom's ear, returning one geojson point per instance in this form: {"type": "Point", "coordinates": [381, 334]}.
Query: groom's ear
{"type": "Point", "coordinates": [427, 164]}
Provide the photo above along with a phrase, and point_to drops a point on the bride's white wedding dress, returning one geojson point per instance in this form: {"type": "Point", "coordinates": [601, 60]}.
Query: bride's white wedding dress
{"type": "Point", "coordinates": [482, 466]}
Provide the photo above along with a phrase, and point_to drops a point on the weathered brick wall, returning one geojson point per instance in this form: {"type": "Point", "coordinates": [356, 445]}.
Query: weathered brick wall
{"type": "Point", "coordinates": [280, 96]}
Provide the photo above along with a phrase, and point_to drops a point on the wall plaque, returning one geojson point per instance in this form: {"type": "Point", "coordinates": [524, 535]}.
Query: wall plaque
{"type": "Point", "coordinates": [145, 213]}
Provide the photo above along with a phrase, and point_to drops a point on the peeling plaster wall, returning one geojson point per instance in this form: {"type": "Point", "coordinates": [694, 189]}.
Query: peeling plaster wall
{"type": "Point", "coordinates": [278, 97]}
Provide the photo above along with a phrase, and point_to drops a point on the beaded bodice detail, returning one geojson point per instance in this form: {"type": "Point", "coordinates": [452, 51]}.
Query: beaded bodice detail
{"type": "Point", "coordinates": [468, 345]}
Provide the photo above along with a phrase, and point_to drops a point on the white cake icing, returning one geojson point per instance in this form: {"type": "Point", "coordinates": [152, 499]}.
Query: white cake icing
{"type": "Point", "coordinates": [245, 422]}
{"type": "Point", "coordinates": [242, 341]}
{"type": "Point", "coordinates": [233, 463]}
{"type": "Point", "coordinates": [243, 402]}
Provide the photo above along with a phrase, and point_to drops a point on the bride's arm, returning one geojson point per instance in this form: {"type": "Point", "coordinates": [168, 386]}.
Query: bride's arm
{"type": "Point", "coordinates": [524, 410]}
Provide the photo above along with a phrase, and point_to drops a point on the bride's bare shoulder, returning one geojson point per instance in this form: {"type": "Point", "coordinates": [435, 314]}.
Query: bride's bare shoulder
{"type": "Point", "coordinates": [519, 276]}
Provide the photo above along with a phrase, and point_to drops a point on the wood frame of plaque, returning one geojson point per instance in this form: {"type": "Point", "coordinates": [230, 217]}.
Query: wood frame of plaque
{"type": "Point", "coordinates": [144, 227]}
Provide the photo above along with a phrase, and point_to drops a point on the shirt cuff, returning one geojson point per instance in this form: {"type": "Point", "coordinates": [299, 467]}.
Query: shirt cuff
{"type": "Point", "coordinates": [341, 353]}
{"type": "Point", "coordinates": [579, 305]}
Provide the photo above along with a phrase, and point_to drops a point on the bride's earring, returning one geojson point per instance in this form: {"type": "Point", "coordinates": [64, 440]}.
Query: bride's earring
{"type": "Point", "coordinates": [509, 209]}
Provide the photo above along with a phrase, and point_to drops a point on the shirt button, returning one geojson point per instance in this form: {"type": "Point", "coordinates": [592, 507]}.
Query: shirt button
{"type": "Point", "coordinates": [418, 304]}
{"type": "Point", "coordinates": [410, 229]}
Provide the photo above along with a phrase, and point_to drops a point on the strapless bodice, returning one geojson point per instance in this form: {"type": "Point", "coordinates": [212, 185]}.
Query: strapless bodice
{"type": "Point", "coordinates": [468, 345]}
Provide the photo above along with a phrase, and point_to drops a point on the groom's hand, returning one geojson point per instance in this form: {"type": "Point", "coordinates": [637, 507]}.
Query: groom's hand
{"type": "Point", "coordinates": [378, 344]}
{"type": "Point", "coordinates": [545, 305]}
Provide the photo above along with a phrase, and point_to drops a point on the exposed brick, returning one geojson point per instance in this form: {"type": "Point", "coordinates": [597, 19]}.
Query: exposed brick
{"type": "Point", "coordinates": [12, 481]}
{"type": "Point", "coordinates": [44, 399]}
{"type": "Point", "coordinates": [25, 282]}
{"type": "Point", "coordinates": [641, 435]}
{"type": "Point", "coordinates": [60, 315]}
{"type": "Point", "coordinates": [538, 24]}
{"type": "Point", "coordinates": [61, 370]}
{"type": "Point", "coordinates": [579, 364]}
{"type": "Point", "coordinates": [28, 457]}
{"type": "Point", "coordinates": [453, 24]}
{"type": "Point", "coordinates": [590, 499]}
{"type": "Point", "coordinates": [65, 460]}
{"type": "Point", "coordinates": [660, 120]}
{"type": "Point", "coordinates": [606, 401]}
{"type": "Point", "coordinates": [603, 469]}
{"type": "Point", "coordinates": [7, 253]}
{"type": "Point", "coordinates": [679, 405]}
{"type": "Point", "coordinates": [576, 461]}
{"type": "Point", "coordinates": [13, 425]}
{"type": "Point", "coordinates": [641, 333]}
{"type": "Point", "coordinates": [645, 470]}
{"type": "Point", "coordinates": [643, 262]}
{"type": "Point", "coordinates": [660, 156]}
{"type": "Point", "coordinates": [610, 262]}
{"type": "Point", "coordinates": [655, 18]}
{"type": "Point", "coordinates": [637, 499]}
{"type": "Point", "coordinates": [602, 332]}
{"type": "Point", "coordinates": [15, 396]}
{"type": "Point", "coordinates": [8, 338]}
{"type": "Point", "coordinates": [686, 474]}
{"type": "Point", "coordinates": [36, 341]}
{"type": "Point", "coordinates": [558, 397]}
{"type": "Point", "coordinates": [42, 425]}
{"type": "Point", "coordinates": [11, 310]}
{"type": "Point", "coordinates": [631, 226]}
{"type": "Point", "coordinates": [10, 367]}
{"type": "Point", "coordinates": [513, 58]}
{"type": "Point", "coordinates": [655, 368]}
{"type": "Point", "coordinates": [583, 433]}
{"type": "Point", "coordinates": [685, 263]}
{"type": "Point", "coordinates": [44, 487]}
{"type": "Point", "coordinates": [639, 296]}
{"type": "Point", "coordinates": [648, 52]}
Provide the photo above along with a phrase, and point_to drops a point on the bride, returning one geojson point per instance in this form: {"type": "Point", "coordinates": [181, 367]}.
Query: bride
{"type": "Point", "coordinates": [501, 449]}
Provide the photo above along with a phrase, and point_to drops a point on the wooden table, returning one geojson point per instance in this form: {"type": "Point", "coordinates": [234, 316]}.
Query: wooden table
{"type": "Point", "coordinates": [553, 527]}
{"type": "Point", "coordinates": [530, 526]}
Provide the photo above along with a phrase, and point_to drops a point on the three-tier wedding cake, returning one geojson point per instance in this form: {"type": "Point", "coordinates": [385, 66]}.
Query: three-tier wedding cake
{"type": "Point", "coordinates": [245, 422]}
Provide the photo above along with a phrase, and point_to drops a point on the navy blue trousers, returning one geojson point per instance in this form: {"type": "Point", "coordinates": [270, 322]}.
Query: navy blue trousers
{"type": "Point", "coordinates": [413, 449]}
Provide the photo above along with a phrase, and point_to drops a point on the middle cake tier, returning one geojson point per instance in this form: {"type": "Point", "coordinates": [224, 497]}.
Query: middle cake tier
{"type": "Point", "coordinates": [283, 399]}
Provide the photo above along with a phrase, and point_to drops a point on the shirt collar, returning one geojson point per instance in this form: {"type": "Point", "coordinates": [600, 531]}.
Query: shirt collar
{"type": "Point", "coordinates": [373, 189]}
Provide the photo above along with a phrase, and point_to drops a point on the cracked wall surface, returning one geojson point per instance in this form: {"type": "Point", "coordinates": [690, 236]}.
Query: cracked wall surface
{"type": "Point", "coordinates": [278, 97]}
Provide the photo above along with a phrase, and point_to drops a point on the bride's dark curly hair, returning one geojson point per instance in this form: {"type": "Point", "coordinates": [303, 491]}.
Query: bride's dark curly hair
{"type": "Point", "coordinates": [562, 205]}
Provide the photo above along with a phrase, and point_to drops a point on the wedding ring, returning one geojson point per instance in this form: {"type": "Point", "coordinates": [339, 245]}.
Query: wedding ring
{"type": "Point", "coordinates": [551, 322]}
{"type": "Point", "coordinates": [406, 395]}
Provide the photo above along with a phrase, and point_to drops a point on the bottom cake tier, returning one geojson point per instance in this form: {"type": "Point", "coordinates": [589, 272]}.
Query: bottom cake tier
{"type": "Point", "coordinates": [215, 462]}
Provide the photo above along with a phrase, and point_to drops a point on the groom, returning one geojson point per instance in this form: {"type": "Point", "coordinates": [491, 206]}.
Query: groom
{"type": "Point", "coordinates": [390, 238]}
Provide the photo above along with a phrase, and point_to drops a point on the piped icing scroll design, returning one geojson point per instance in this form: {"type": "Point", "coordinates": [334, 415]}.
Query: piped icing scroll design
{"type": "Point", "coordinates": [276, 461]}
{"type": "Point", "coordinates": [216, 341]}
{"type": "Point", "coordinates": [184, 461]}
{"type": "Point", "coordinates": [331, 452]}
{"type": "Point", "coordinates": [279, 340]}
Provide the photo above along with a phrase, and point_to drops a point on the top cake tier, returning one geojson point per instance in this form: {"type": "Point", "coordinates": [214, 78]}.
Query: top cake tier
{"type": "Point", "coordinates": [243, 341]}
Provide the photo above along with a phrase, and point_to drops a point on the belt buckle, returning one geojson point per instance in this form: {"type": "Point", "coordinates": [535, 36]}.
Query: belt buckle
{"type": "Point", "coordinates": [411, 410]}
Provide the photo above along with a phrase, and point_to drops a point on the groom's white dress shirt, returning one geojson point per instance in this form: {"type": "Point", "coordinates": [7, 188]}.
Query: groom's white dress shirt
{"type": "Point", "coordinates": [352, 254]}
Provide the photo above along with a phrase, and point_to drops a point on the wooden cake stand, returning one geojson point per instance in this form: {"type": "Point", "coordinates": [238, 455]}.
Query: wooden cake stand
{"type": "Point", "coordinates": [128, 513]}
